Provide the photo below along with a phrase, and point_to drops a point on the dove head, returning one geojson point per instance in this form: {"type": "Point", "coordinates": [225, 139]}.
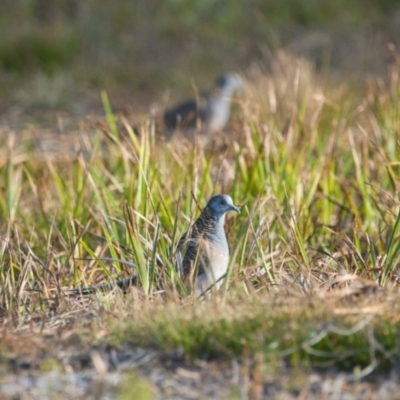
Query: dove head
{"type": "Point", "coordinates": [231, 82]}
{"type": "Point", "coordinates": [220, 205]}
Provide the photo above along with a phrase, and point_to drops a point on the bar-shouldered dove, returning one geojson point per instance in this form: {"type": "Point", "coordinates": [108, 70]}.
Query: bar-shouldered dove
{"type": "Point", "coordinates": [206, 114]}
{"type": "Point", "coordinates": [206, 259]}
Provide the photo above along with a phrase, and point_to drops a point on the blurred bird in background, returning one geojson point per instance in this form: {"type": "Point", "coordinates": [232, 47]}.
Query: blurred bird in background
{"type": "Point", "coordinates": [206, 114]}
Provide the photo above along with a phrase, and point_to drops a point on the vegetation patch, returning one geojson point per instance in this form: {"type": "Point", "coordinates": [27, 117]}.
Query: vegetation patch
{"type": "Point", "coordinates": [313, 275]}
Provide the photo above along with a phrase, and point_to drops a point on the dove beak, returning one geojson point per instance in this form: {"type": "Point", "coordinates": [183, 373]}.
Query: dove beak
{"type": "Point", "coordinates": [234, 208]}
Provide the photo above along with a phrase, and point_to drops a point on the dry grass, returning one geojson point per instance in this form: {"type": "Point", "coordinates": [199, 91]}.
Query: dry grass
{"type": "Point", "coordinates": [313, 281]}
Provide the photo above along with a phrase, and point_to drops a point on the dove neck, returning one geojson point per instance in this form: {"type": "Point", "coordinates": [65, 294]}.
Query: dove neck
{"type": "Point", "coordinates": [213, 224]}
{"type": "Point", "coordinates": [227, 93]}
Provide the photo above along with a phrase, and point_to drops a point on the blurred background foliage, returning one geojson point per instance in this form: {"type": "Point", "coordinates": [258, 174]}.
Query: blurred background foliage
{"type": "Point", "coordinates": [59, 54]}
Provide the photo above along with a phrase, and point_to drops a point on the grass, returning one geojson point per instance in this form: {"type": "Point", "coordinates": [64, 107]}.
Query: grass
{"type": "Point", "coordinates": [314, 267]}
{"type": "Point", "coordinates": [54, 53]}
{"type": "Point", "coordinates": [311, 334]}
